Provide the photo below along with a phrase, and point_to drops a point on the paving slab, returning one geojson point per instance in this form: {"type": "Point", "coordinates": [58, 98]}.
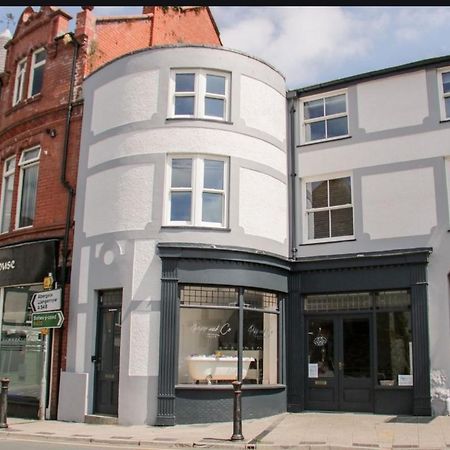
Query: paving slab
{"type": "Point", "coordinates": [304, 431]}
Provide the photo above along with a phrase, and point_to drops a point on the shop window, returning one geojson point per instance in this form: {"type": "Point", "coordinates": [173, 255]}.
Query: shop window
{"type": "Point", "coordinates": [37, 72]}
{"type": "Point", "coordinates": [209, 335]}
{"type": "Point", "coordinates": [19, 82]}
{"type": "Point", "coordinates": [329, 209]}
{"type": "Point", "coordinates": [200, 94]}
{"type": "Point", "coordinates": [29, 170]}
{"type": "Point", "coordinates": [324, 117]}
{"type": "Point", "coordinates": [20, 345]}
{"type": "Point", "coordinates": [9, 168]}
{"type": "Point", "coordinates": [198, 191]}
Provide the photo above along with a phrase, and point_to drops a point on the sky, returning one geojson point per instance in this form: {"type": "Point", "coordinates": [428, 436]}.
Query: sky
{"type": "Point", "coordinates": [311, 45]}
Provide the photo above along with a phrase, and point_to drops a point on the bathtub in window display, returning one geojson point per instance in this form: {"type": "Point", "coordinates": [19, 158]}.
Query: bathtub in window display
{"type": "Point", "coordinates": [216, 368]}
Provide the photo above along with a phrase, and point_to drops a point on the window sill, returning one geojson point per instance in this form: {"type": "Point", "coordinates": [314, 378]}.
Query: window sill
{"type": "Point", "coordinates": [193, 227]}
{"type": "Point", "coordinates": [245, 387]}
{"type": "Point", "coordinates": [322, 141]}
{"type": "Point", "coordinates": [197, 119]}
{"type": "Point", "coordinates": [445, 120]}
{"type": "Point", "coordinates": [328, 241]}
{"type": "Point", "coordinates": [23, 103]}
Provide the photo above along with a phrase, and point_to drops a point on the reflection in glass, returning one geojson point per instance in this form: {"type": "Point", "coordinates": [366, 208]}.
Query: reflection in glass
{"type": "Point", "coordinates": [315, 131]}
{"type": "Point", "coordinates": [184, 106]}
{"type": "Point", "coordinates": [337, 127]}
{"type": "Point", "coordinates": [214, 107]}
{"type": "Point", "coordinates": [341, 222]}
{"type": "Point", "coordinates": [20, 345]}
{"type": "Point", "coordinates": [314, 109]}
{"type": "Point", "coordinates": [340, 191]}
{"type": "Point", "coordinates": [28, 195]}
{"type": "Point", "coordinates": [317, 194]}
{"type": "Point", "coordinates": [212, 207]}
{"type": "Point", "coordinates": [180, 206]}
{"type": "Point", "coordinates": [8, 187]}
{"type": "Point", "coordinates": [215, 84]}
{"type": "Point", "coordinates": [447, 107]}
{"type": "Point", "coordinates": [181, 172]}
{"type": "Point", "coordinates": [318, 225]}
{"type": "Point", "coordinates": [446, 82]}
{"type": "Point", "coordinates": [356, 341]}
{"type": "Point", "coordinates": [202, 333]}
{"type": "Point", "coordinates": [394, 343]}
{"type": "Point", "coordinates": [213, 174]}
{"type": "Point", "coordinates": [184, 82]}
{"type": "Point", "coordinates": [321, 346]}
{"type": "Point", "coordinates": [335, 105]}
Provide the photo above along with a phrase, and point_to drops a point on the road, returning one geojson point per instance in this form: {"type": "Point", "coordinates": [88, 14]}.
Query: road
{"type": "Point", "coordinates": [27, 444]}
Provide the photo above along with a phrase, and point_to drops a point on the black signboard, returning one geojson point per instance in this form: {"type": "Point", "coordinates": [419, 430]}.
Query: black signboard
{"type": "Point", "coordinates": [27, 263]}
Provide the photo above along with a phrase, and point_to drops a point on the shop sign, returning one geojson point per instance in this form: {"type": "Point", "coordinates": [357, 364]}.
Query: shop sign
{"type": "Point", "coordinates": [46, 301]}
{"type": "Point", "coordinates": [27, 263]}
{"type": "Point", "coordinates": [53, 319]}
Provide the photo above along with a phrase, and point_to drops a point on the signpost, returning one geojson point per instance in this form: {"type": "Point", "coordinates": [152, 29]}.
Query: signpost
{"type": "Point", "coordinates": [52, 319]}
{"type": "Point", "coordinates": [46, 301]}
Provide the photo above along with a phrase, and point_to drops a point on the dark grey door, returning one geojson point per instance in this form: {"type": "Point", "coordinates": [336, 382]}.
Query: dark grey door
{"type": "Point", "coordinates": [107, 358]}
{"type": "Point", "coordinates": [339, 369]}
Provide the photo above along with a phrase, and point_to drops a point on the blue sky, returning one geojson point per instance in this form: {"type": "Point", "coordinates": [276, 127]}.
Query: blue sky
{"type": "Point", "coordinates": [311, 45]}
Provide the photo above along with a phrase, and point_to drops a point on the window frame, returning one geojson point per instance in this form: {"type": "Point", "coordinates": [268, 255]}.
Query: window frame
{"type": "Point", "coordinates": [19, 81]}
{"type": "Point", "coordinates": [442, 94]}
{"type": "Point", "coordinates": [23, 165]}
{"type": "Point", "coordinates": [241, 308]}
{"type": "Point", "coordinates": [6, 174]}
{"type": "Point", "coordinates": [34, 65]}
{"type": "Point", "coordinates": [200, 94]}
{"type": "Point", "coordinates": [325, 118]}
{"type": "Point", "coordinates": [197, 189]}
{"type": "Point", "coordinates": [305, 210]}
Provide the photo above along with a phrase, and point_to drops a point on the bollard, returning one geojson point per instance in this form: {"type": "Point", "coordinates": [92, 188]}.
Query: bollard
{"type": "Point", "coordinates": [237, 416]}
{"type": "Point", "coordinates": [4, 403]}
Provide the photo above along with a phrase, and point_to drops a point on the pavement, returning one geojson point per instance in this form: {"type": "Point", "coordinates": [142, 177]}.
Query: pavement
{"type": "Point", "coordinates": [307, 430]}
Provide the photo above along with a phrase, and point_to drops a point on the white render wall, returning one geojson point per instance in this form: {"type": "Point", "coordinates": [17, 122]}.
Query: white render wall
{"type": "Point", "coordinates": [127, 138]}
{"type": "Point", "coordinates": [396, 154]}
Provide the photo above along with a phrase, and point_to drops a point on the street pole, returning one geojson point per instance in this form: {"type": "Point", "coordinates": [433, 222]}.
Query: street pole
{"type": "Point", "coordinates": [237, 416]}
{"type": "Point", "coordinates": [4, 403]}
{"type": "Point", "coordinates": [43, 396]}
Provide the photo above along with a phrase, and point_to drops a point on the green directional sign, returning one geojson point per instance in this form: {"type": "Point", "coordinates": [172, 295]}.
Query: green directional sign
{"type": "Point", "coordinates": [53, 319]}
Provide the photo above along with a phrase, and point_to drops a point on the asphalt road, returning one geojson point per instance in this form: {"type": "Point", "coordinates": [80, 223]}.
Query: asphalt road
{"type": "Point", "coordinates": [26, 444]}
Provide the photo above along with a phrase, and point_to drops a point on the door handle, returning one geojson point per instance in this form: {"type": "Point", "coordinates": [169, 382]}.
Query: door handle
{"type": "Point", "coordinates": [340, 365]}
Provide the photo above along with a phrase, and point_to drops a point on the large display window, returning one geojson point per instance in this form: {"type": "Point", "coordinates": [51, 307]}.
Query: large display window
{"type": "Point", "coordinates": [224, 327]}
{"type": "Point", "coordinates": [21, 350]}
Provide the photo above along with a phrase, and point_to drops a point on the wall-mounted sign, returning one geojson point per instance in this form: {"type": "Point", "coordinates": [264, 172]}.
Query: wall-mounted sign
{"type": "Point", "coordinates": [405, 380]}
{"type": "Point", "coordinates": [46, 301]}
{"type": "Point", "coordinates": [313, 370]}
{"type": "Point", "coordinates": [53, 319]}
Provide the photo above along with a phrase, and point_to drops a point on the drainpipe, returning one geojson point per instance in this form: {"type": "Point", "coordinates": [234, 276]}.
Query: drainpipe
{"type": "Point", "coordinates": [67, 38]}
{"type": "Point", "coordinates": [292, 178]}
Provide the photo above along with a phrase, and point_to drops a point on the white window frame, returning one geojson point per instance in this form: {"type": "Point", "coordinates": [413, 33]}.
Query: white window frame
{"type": "Point", "coordinates": [7, 172]}
{"type": "Point", "coordinates": [199, 94]}
{"type": "Point", "coordinates": [23, 166]}
{"type": "Point", "coordinates": [19, 83]}
{"type": "Point", "coordinates": [305, 210]}
{"type": "Point", "coordinates": [34, 66]}
{"type": "Point", "coordinates": [442, 95]}
{"type": "Point", "coordinates": [304, 122]}
{"type": "Point", "coordinates": [197, 190]}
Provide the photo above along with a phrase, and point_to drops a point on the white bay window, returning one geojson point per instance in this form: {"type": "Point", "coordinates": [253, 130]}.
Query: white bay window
{"type": "Point", "coordinates": [198, 191]}
{"type": "Point", "coordinates": [200, 94]}
{"type": "Point", "coordinates": [7, 193]}
{"type": "Point", "coordinates": [444, 92]}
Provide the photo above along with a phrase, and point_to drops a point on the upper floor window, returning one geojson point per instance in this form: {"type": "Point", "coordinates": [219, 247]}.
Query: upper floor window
{"type": "Point", "coordinates": [197, 194]}
{"type": "Point", "coordinates": [19, 81]}
{"type": "Point", "coordinates": [9, 168]}
{"type": "Point", "coordinates": [200, 93]}
{"type": "Point", "coordinates": [37, 72]}
{"type": "Point", "coordinates": [328, 209]}
{"type": "Point", "coordinates": [323, 117]}
{"type": "Point", "coordinates": [444, 88]}
{"type": "Point", "coordinates": [29, 170]}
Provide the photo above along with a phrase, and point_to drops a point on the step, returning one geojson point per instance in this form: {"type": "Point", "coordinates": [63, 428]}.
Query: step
{"type": "Point", "coordinates": [101, 419]}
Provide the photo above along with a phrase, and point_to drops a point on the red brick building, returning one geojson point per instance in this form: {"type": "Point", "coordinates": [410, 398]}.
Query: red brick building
{"type": "Point", "coordinates": [41, 108]}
